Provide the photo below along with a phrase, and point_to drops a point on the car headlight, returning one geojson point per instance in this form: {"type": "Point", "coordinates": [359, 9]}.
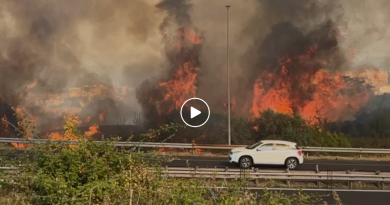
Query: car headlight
{"type": "Point", "coordinates": [234, 152]}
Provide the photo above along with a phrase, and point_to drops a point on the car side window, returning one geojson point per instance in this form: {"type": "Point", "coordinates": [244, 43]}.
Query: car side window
{"type": "Point", "coordinates": [281, 147]}
{"type": "Point", "coordinates": [291, 147]}
{"type": "Point", "coordinates": [266, 147]}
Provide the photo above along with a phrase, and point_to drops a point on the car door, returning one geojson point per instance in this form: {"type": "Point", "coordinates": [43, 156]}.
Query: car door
{"type": "Point", "coordinates": [264, 154]}
{"type": "Point", "coordinates": [280, 153]}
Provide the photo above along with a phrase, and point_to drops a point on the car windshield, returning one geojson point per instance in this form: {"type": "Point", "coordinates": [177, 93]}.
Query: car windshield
{"type": "Point", "coordinates": [254, 145]}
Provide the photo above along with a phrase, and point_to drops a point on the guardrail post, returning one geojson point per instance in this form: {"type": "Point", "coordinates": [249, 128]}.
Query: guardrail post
{"type": "Point", "coordinates": [319, 184]}
{"type": "Point", "coordinates": [382, 185]}
{"type": "Point", "coordinates": [288, 183]}
{"type": "Point", "coordinates": [102, 138]}
{"type": "Point", "coordinates": [350, 184]}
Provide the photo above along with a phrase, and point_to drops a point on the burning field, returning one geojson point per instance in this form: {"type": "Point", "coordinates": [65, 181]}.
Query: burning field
{"type": "Point", "coordinates": [305, 76]}
{"type": "Point", "coordinates": [312, 58]}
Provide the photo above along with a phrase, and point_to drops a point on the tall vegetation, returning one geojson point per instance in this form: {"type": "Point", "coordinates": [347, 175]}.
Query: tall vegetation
{"type": "Point", "coordinates": [98, 173]}
{"type": "Point", "coordinates": [270, 125]}
{"type": "Point", "coordinates": [273, 125]}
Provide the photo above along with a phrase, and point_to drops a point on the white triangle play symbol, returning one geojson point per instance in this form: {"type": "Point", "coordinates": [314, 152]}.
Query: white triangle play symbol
{"type": "Point", "coordinates": [194, 112]}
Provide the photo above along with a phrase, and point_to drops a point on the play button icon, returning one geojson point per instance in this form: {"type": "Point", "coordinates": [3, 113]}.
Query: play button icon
{"type": "Point", "coordinates": [195, 112]}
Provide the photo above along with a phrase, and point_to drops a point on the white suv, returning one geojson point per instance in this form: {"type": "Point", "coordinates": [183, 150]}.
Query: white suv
{"type": "Point", "coordinates": [270, 152]}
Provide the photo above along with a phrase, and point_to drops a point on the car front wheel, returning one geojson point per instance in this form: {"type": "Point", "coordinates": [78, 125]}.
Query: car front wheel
{"type": "Point", "coordinates": [292, 163]}
{"type": "Point", "coordinates": [246, 162]}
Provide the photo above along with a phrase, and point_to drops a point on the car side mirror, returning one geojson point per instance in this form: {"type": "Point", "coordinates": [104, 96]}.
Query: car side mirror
{"type": "Point", "coordinates": [258, 149]}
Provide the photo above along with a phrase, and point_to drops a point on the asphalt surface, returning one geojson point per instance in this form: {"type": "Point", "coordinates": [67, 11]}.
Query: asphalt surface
{"type": "Point", "coordinates": [308, 164]}
{"type": "Point", "coordinates": [348, 197]}
{"type": "Point", "coordinates": [323, 165]}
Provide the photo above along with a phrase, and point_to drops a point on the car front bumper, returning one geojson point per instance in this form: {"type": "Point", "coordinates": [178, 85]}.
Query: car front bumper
{"type": "Point", "coordinates": [233, 159]}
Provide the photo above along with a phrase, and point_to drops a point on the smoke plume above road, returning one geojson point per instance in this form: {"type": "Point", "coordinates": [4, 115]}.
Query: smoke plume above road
{"type": "Point", "coordinates": [105, 60]}
{"type": "Point", "coordinates": [49, 47]}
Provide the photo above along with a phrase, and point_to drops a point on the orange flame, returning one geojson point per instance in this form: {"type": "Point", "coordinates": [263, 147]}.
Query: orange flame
{"type": "Point", "coordinates": [182, 84]}
{"type": "Point", "coordinates": [56, 104]}
{"type": "Point", "coordinates": [26, 124]}
{"type": "Point", "coordinates": [69, 136]}
{"type": "Point", "coordinates": [94, 129]}
{"type": "Point", "coordinates": [102, 115]}
{"type": "Point", "coordinates": [181, 87]}
{"type": "Point", "coordinates": [275, 90]}
{"type": "Point", "coordinates": [197, 150]}
{"type": "Point", "coordinates": [191, 36]}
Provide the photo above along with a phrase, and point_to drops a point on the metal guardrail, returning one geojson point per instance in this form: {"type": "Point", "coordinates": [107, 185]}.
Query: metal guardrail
{"type": "Point", "coordinates": [281, 175]}
{"type": "Point", "coordinates": [254, 174]}
{"type": "Point", "coordinates": [202, 146]}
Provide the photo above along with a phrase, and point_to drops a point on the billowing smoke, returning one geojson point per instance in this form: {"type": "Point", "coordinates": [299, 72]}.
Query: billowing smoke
{"type": "Point", "coordinates": [182, 42]}
{"type": "Point", "coordinates": [99, 52]}
{"type": "Point", "coordinates": [271, 33]}
{"type": "Point", "coordinates": [106, 60]}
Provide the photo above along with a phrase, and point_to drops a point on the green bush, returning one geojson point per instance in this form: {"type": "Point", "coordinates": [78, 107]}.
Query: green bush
{"type": "Point", "coordinates": [277, 198]}
{"type": "Point", "coordinates": [98, 173]}
{"type": "Point", "coordinates": [270, 125]}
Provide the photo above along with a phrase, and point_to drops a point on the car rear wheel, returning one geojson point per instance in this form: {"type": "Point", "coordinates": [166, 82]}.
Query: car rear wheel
{"type": "Point", "coordinates": [246, 162]}
{"type": "Point", "coordinates": [292, 163]}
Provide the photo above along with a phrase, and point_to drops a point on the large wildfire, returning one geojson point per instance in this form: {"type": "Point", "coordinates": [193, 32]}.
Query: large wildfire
{"type": "Point", "coordinates": [182, 48]}
{"type": "Point", "coordinates": [307, 80]}
{"type": "Point", "coordinates": [182, 84]}
{"type": "Point", "coordinates": [55, 62]}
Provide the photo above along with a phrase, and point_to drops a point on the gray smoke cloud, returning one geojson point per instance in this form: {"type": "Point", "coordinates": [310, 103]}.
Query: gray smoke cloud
{"type": "Point", "coordinates": [48, 47]}
{"type": "Point", "coordinates": [250, 22]}
{"type": "Point", "coordinates": [366, 31]}
{"type": "Point", "coordinates": [361, 40]}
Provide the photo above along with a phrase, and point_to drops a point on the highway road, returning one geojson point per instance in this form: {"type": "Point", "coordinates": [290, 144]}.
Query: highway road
{"type": "Point", "coordinates": [309, 164]}
{"type": "Point", "coordinates": [323, 165]}
{"type": "Point", "coordinates": [211, 162]}
{"type": "Point", "coordinates": [349, 197]}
